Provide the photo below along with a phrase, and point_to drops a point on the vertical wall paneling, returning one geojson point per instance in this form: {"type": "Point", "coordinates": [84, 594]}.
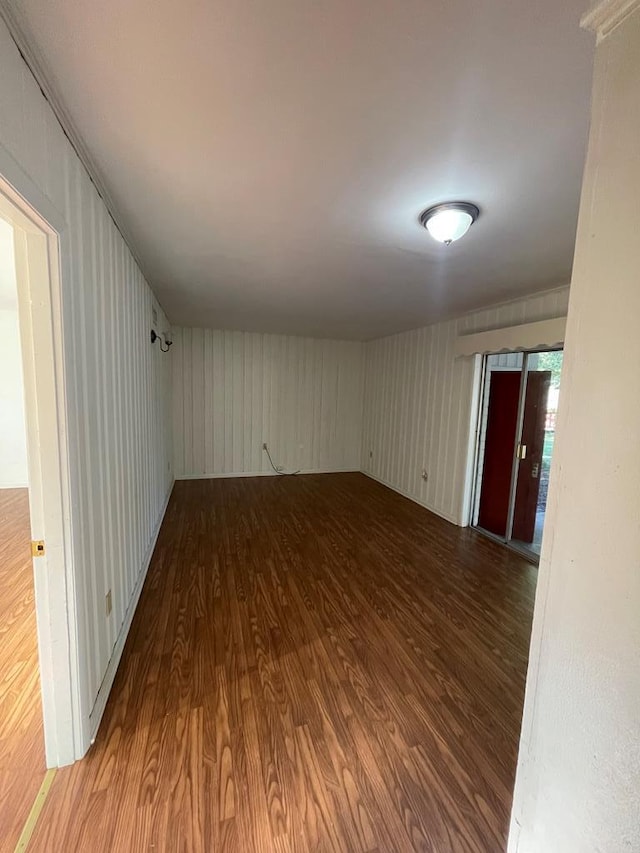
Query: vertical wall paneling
{"type": "Point", "coordinates": [118, 385]}
{"type": "Point", "coordinates": [231, 391]}
{"type": "Point", "coordinates": [417, 403]}
{"type": "Point", "coordinates": [235, 390]}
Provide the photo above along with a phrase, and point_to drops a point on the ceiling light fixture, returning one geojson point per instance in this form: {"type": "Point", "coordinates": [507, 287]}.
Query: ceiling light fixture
{"type": "Point", "coordinates": [449, 221]}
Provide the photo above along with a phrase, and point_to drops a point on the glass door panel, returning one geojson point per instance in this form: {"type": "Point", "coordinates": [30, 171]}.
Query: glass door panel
{"type": "Point", "coordinates": [542, 386]}
{"type": "Point", "coordinates": [497, 441]}
{"type": "Point", "coordinates": [515, 443]}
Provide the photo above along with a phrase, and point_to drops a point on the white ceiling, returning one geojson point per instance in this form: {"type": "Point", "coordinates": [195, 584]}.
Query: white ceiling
{"type": "Point", "coordinates": [268, 159]}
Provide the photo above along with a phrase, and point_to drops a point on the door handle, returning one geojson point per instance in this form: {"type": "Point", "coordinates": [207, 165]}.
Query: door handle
{"type": "Point", "coordinates": [535, 470]}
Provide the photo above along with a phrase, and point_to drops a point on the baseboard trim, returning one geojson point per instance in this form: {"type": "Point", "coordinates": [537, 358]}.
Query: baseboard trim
{"type": "Point", "coordinates": [95, 716]}
{"type": "Point", "coordinates": [404, 494]}
{"type": "Point", "coordinates": [239, 474]}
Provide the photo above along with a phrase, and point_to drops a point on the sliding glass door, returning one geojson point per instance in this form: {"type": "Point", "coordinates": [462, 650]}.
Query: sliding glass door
{"type": "Point", "coordinates": [515, 443]}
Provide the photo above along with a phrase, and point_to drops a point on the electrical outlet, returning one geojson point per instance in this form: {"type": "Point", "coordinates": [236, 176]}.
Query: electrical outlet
{"type": "Point", "coordinates": [108, 602]}
{"type": "Point", "coordinates": [425, 475]}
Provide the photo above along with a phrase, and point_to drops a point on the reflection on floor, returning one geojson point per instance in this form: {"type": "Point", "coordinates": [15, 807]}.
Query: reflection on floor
{"type": "Point", "coordinates": [536, 545]}
{"type": "Point", "coordinates": [316, 663]}
{"type": "Point", "coordinates": [537, 536]}
{"type": "Point", "coordinates": [22, 765]}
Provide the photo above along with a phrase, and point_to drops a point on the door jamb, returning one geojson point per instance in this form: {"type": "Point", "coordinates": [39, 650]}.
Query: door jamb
{"type": "Point", "coordinates": [515, 464]}
{"type": "Point", "coordinates": [37, 257]}
{"type": "Point", "coordinates": [478, 391]}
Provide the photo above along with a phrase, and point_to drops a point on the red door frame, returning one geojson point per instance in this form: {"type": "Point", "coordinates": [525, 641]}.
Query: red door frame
{"type": "Point", "coordinates": [522, 372]}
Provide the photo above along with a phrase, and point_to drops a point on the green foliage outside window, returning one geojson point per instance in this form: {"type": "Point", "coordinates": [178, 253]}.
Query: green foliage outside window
{"type": "Point", "coordinates": [551, 361]}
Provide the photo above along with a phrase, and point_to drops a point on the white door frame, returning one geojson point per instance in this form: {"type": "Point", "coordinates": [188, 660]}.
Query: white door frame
{"type": "Point", "coordinates": [37, 258]}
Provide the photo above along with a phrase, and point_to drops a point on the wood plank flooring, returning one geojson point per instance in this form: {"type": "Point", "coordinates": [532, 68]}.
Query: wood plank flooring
{"type": "Point", "coordinates": [316, 664]}
{"type": "Point", "coordinates": [22, 765]}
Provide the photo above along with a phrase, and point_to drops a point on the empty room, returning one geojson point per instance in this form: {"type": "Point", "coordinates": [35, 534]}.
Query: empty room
{"type": "Point", "coordinates": [319, 476]}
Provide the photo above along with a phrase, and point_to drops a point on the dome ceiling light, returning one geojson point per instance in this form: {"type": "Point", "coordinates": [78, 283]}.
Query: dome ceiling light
{"type": "Point", "coordinates": [449, 221]}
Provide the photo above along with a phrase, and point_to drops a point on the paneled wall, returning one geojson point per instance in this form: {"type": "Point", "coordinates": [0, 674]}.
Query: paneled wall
{"type": "Point", "coordinates": [232, 390]}
{"type": "Point", "coordinates": [235, 390]}
{"type": "Point", "coordinates": [417, 403]}
{"type": "Point", "coordinates": [118, 385]}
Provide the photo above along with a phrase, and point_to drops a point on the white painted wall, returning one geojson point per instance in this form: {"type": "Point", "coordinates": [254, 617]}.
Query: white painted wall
{"type": "Point", "coordinates": [578, 780]}
{"type": "Point", "coordinates": [418, 403]}
{"type": "Point", "coordinates": [13, 443]}
{"type": "Point", "coordinates": [118, 385]}
{"type": "Point", "coordinates": [13, 438]}
{"type": "Point", "coordinates": [235, 390]}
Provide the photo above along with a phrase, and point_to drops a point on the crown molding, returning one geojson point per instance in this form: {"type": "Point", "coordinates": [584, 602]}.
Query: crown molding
{"type": "Point", "coordinates": [35, 62]}
{"type": "Point", "coordinates": [606, 15]}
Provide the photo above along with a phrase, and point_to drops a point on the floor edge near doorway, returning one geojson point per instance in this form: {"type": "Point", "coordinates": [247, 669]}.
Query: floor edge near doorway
{"type": "Point", "coordinates": [95, 716]}
{"type": "Point", "coordinates": [36, 808]}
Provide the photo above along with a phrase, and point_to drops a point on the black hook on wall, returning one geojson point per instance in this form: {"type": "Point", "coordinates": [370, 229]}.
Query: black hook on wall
{"type": "Point", "coordinates": [156, 337]}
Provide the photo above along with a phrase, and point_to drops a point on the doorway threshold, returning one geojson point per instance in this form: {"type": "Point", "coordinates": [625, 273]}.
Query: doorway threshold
{"type": "Point", "coordinates": [522, 550]}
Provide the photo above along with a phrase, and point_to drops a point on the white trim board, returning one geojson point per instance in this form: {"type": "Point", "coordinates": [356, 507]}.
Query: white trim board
{"type": "Point", "coordinates": [95, 715]}
{"type": "Point", "coordinates": [606, 15]}
{"type": "Point", "coordinates": [527, 336]}
{"type": "Point", "coordinates": [266, 474]}
{"type": "Point", "coordinates": [382, 482]}
{"type": "Point", "coordinates": [415, 500]}
{"type": "Point", "coordinates": [36, 248]}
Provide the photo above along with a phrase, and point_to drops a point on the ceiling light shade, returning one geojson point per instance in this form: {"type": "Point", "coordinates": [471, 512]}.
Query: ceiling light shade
{"type": "Point", "coordinates": [449, 222]}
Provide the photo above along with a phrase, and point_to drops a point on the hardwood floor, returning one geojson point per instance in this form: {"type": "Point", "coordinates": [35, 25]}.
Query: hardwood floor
{"type": "Point", "coordinates": [22, 765]}
{"type": "Point", "coordinates": [316, 664]}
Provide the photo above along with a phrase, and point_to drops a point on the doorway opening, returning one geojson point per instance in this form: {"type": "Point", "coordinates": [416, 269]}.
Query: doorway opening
{"type": "Point", "coordinates": [22, 757]}
{"type": "Point", "coordinates": [517, 423]}
{"type": "Point", "coordinates": [39, 673]}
